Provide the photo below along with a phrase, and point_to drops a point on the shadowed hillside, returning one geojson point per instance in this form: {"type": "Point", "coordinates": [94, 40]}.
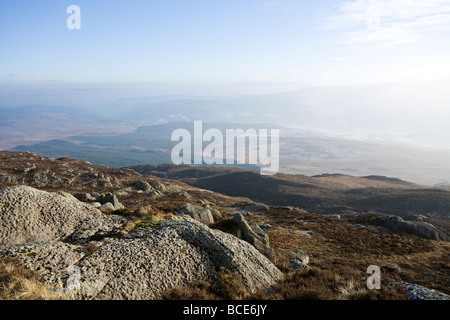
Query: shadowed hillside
{"type": "Point", "coordinates": [327, 193]}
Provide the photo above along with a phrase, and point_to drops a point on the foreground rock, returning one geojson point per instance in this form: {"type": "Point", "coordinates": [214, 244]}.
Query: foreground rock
{"type": "Point", "coordinates": [31, 215]}
{"type": "Point", "coordinates": [51, 259]}
{"type": "Point", "coordinates": [148, 261]}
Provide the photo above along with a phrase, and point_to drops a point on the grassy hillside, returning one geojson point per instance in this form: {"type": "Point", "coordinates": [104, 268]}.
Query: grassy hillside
{"type": "Point", "coordinates": [322, 194]}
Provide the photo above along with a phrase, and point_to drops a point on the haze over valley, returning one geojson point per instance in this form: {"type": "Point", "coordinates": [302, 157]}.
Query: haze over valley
{"type": "Point", "coordinates": [392, 130]}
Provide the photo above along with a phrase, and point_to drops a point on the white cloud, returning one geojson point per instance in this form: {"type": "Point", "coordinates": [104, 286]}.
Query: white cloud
{"type": "Point", "coordinates": [387, 22]}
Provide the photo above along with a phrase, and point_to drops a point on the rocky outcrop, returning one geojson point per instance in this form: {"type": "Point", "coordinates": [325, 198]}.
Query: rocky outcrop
{"type": "Point", "coordinates": [107, 208]}
{"type": "Point", "coordinates": [4, 178]}
{"type": "Point", "coordinates": [253, 235]}
{"type": "Point", "coordinates": [300, 260]}
{"type": "Point", "coordinates": [30, 215]}
{"type": "Point", "coordinates": [149, 260]}
{"type": "Point", "coordinates": [51, 258]}
{"type": "Point", "coordinates": [143, 186]}
{"type": "Point", "coordinates": [258, 207]}
{"type": "Point", "coordinates": [301, 256]}
{"type": "Point", "coordinates": [419, 228]}
{"type": "Point", "coordinates": [155, 194]}
{"type": "Point", "coordinates": [197, 212]}
{"type": "Point", "coordinates": [112, 198]}
{"type": "Point", "coordinates": [297, 264]}
{"type": "Point", "coordinates": [107, 203]}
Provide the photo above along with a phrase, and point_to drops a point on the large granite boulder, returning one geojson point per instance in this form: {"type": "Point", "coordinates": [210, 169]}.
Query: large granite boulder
{"type": "Point", "coordinates": [31, 215]}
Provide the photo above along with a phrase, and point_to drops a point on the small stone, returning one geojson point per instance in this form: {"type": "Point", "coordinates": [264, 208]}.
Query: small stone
{"type": "Point", "coordinates": [296, 264]}
{"type": "Point", "coordinates": [301, 256]}
{"type": "Point", "coordinates": [107, 208]}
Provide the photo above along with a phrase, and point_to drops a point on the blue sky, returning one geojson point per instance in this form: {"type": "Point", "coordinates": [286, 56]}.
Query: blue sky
{"type": "Point", "coordinates": [305, 43]}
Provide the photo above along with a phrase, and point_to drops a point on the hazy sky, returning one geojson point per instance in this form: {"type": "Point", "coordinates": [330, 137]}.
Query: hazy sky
{"type": "Point", "coordinates": [305, 43]}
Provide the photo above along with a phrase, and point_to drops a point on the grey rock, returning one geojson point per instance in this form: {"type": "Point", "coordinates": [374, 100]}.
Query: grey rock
{"type": "Point", "coordinates": [418, 292]}
{"type": "Point", "coordinates": [242, 203]}
{"type": "Point", "coordinates": [198, 213]}
{"type": "Point", "coordinates": [255, 236]}
{"type": "Point", "coordinates": [96, 204]}
{"type": "Point", "coordinates": [155, 194]}
{"type": "Point", "coordinates": [418, 228]}
{"type": "Point", "coordinates": [259, 207]}
{"type": "Point", "coordinates": [31, 215]}
{"type": "Point", "coordinates": [185, 195]}
{"type": "Point", "coordinates": [289, 208]}
{"type": "Point", "coordinates": [167, 187]}
{"type": "Point", "coordinates": [216, 213]}
{"type": "Point", "coordinates": [266, 227]}
{"type": "Point", "coordinates": [97, 196]}
{"type": "Point", "coordinates": [50, 259]}
{"type": "Point", "coordinates": [40, 178]}
{"type": "Point", "coordinates": [28, 168]}
{"type": "Point", "coordinates": [85, 197]}
{"type": "Point", "coordinates": [150, 260]}
{"type": "Point", "coordinates": [122, 192]}
{"type": "Point", "coordinates": [5, 178]}
{"type": "Point", "coordinates": [301, 256]}
{"type": "Point", "coordinates": [107, 208]}
{"type": "Point", "coordinates": [143, 185]}
{"type": "Point", "coordinates": [296, 264]}
{"type": "Point", "coordinates": [261, 234]}
{"type": "Point", "coordinates": [112, 198]}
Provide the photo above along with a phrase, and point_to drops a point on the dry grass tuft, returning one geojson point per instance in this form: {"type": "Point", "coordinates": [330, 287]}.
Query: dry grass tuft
{"type": "Point", "coordinates": [197, 290]}
{"type": "Point", "coordinates": [225, 285]}
{"type": "Point", "coordinates": [342, 283]}
{"type": "Point", "coordinates": [144, 215]}
{"type": "Point", "coordinates": [18, 283]}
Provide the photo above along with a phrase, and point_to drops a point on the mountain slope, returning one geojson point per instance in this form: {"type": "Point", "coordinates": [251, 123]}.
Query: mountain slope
{"type": "Point", "coordinates": [327, 193]}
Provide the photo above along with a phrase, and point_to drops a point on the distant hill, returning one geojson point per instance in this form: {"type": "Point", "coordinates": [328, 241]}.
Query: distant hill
{"type": "Point", "coordinates": [327, 193]}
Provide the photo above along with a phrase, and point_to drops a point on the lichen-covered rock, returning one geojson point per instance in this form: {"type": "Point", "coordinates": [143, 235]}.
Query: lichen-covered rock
{"type": "Point", "coordinates": [166, 254]}
{"type": "Point", "coordinates": [148, 261]}
{"type": "Point", "coordinates": [51, 259]}
{"type": "Point", "coordinates": [31, 215]}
